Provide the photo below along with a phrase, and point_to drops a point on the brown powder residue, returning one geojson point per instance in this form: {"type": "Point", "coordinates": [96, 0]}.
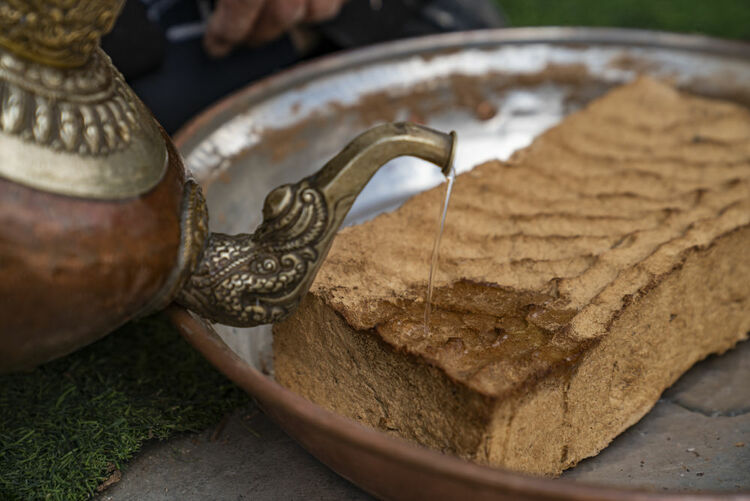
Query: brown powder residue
{"type": "Point", "coordinates": [565, 74]}
{"type": "Point", "coordinates": [470, 92]}
{"type": "Point", "coordinates": [630, 62]}
{"type": "Point", "coordinates": [279, 143]}
{"type": "Point", "coordinates": [485, 110]}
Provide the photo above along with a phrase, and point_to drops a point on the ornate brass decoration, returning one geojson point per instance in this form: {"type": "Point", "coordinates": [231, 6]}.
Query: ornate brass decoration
{"type": "Point", "coordinates": [77, 131]}
{"type": "Point", "coordinates": [88, 110]}
{"type": "Point", "coordinates": [59, 33]}
{"type": "Point", "coordinates": [253, 279]}
{"type": "Point", "coordinates": [194, 230]}
{"type": "Point", "coordinates": [246, 280]}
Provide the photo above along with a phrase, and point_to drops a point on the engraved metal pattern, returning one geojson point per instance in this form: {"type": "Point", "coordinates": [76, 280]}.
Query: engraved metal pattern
{"type": "Point", "coordinates": [76, 131]}
{"type": "Point", "coordinates": [194, 229]}
{"type": "Point", "coordinates": [88, 110]}
{"type": "Point", "coordinates": [246, 280]}
{"type": "Point", "coordinates": [59, 33]}
{"type": "Point", "coordinates": [256, 279]}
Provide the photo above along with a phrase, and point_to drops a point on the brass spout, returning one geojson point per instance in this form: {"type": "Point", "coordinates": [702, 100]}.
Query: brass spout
{"type": "Point", "coordinates": [247, 280]}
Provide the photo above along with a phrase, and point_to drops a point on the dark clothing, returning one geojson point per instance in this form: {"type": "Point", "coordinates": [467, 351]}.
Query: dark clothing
{"type": "Point", "coordinates": [157, 44]}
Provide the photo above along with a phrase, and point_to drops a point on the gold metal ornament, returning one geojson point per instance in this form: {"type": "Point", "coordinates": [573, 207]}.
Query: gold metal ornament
{"type": "Point", "coordinates": [77, 131]}
{"type": "Point", "coordinates": [246, 280]}
{"type": "Point", "coordinates": [61, 33]}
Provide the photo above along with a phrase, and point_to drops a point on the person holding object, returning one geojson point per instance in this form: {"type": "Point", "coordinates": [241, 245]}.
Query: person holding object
{"type": "Point", "coordinates": [255, 22]}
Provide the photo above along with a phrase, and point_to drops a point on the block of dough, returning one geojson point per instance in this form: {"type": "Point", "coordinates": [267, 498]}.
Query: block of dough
{"type": "Point", "coordinates": [576, 282]}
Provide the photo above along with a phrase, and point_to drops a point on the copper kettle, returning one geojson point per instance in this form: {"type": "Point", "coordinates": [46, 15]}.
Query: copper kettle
{"type": "Point", "coordinates": [99, 221]}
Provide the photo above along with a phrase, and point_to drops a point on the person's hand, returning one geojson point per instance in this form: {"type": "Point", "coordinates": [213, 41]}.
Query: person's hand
{"type": "Point", "coordinates": [253, 22]}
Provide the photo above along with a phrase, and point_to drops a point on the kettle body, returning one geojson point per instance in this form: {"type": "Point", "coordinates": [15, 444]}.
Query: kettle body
{"type": "Point", "coordinates": [99, 221]}
{"type": "Point", "coordinates": [73, 269]}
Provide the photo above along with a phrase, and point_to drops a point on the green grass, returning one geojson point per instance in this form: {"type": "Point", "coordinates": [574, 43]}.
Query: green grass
{"type": "Point", "coordinates": [721, 18]}
{"type": "Point", "coordinates": [65, 425]}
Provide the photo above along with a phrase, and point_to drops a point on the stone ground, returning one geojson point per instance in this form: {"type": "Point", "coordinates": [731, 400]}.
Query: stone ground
{"type": "Point", "coordinates": [696, 438]}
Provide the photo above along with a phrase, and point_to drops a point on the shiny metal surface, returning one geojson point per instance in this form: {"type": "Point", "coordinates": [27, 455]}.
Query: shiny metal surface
{"type": "Point", "coordinates": [58, 33]}
{"type": "Point", "coordinates": [69, 124]}
{"type": "Point", "coordinates": [77, 131]}
{"type": "Point", "coordinates": [279, 129]}
{"type": "Point", "coordinates": [252, 279]}
{"type": "Point", "coordinates": [291, 121]}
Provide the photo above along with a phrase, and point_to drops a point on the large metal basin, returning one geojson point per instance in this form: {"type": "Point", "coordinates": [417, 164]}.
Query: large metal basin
{"type": "Point", "coordinates": [287, 126]}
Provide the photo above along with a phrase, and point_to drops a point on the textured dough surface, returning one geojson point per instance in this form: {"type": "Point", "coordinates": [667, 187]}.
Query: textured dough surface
{"type": "Point", "coordinates": [577, 281]}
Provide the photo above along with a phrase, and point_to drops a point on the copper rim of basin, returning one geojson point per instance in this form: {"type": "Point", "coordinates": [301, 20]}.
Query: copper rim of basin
{"type": "Point", "coordinates": [381, 464]}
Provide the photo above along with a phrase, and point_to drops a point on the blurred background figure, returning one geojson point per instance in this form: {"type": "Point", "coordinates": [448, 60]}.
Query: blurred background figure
{"type": "Point", "coordinates": [182, 55]}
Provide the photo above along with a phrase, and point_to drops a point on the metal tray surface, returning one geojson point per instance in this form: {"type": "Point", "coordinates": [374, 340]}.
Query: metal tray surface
{"type": "Point", "coordinates": [498, 89]}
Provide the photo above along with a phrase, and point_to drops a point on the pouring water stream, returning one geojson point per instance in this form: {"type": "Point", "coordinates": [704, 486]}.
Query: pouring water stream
{"type": "Point", "coordinates": [450, 178]}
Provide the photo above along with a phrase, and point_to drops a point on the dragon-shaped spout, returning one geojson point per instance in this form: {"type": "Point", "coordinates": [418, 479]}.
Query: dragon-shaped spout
{"type": "Point", "coordinates": [246, 280]}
